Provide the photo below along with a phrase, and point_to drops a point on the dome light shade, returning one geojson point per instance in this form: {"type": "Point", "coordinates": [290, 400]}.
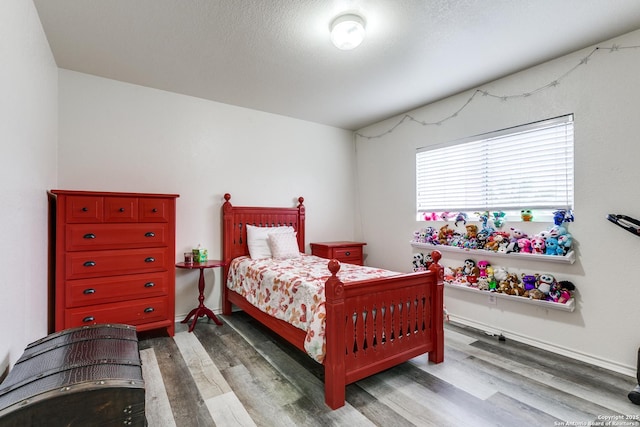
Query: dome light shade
{"type": "Point", "coordinates": [347, 31]}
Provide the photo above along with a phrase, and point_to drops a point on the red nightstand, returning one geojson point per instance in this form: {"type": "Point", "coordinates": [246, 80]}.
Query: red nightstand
{"type": "Point", "coordinates": [343, 251]}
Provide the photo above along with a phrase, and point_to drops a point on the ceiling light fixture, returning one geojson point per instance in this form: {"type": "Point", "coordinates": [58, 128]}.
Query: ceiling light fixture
{"type": "Point", "coordinates": [347, 31]}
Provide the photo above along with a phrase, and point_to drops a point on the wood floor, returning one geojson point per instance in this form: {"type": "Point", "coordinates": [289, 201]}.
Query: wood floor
{"type": "Point", "coordinates": [240, 374]}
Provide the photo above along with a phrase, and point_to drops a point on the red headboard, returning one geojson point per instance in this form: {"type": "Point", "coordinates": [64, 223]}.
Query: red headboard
{"type": "Point", "coordinates": [236, 218]}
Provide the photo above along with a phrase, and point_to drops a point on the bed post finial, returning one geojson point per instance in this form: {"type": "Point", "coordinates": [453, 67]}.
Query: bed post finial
{"type": "Point", "coordinates": [435, 265]}
{"type": "Point", "coordinates": [300, 200]}
{"type": "Point", "coordinates": [334, 266]}
{"type": "Point", "coordinates": [227, 197]}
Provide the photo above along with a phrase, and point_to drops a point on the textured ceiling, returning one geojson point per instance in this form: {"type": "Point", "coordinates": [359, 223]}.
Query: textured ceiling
{"type": "Point", "coordinates": [276, 56]}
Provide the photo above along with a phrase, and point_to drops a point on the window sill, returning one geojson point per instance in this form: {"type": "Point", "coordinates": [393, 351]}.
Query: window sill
{"type": "Point", "coordinates": [570, 306]}
{"type": "Point", "coordinates": [569, 258]}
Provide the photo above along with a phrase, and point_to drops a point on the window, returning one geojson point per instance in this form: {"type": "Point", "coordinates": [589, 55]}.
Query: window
{"type": "Point", "coordinates": [525, 167]}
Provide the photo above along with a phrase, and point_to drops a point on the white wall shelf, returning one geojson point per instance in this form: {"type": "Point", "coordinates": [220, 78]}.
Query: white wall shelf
{"type": "Point", "coordinates": [569, 258]}
{"type": "Point", "coordinates": [569, 306]}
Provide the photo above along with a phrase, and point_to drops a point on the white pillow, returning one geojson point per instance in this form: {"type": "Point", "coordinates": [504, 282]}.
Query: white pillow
{"type": "Point", "coordinates": [257, 240]}
{"type": "Point", "coordinates": [283, 245]}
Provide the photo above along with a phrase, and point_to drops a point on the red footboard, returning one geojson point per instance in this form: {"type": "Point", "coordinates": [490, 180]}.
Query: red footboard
{"type": "Point", "coordinates": [375, 325]}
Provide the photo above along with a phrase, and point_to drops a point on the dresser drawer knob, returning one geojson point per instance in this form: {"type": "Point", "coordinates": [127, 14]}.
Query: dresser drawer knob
{"type": "Point", "coordinates": [150, 259]}
{"type": "Point", "coordinates": [347, 253]}
{"type": "Point", "coordinates": [154, 210]}
{"type": "Point", "coordinates": [150, 234]}
{"type": "Point", "coordinates": [121, 209]}
{"type": "Point", "coordinates": [85, 209]}
{"type": "Point", "coordinates": [89, 264]}
{"type": "Point", "coordinates": [89, 236]}
{"type": "Point", "coordinates": [149, 310]}
{"type": "Point", "coordinates": [89, 291]}
{"type": "Point", "coordinates": [149, 285]}
{"type": "Point", "coordinates": [88, 319]}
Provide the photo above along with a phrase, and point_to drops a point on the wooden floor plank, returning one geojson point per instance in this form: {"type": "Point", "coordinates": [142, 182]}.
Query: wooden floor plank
{"type": "Point", "coordinates": [157, 406]}
{"type": "Point", "coordinates": [226, 410]}
{"type": "Point", "coordinates": [208, 379]}
{"type": "Point", "coordinates": [186, 403]}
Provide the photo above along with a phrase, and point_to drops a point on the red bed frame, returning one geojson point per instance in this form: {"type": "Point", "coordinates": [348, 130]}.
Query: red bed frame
{"type": "Point", "coordinates": [371, 325]}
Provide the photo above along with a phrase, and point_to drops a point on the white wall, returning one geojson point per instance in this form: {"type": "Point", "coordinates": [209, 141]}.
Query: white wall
{"type": "Point", "coordinates": [28, 128]}
{"type": "Point", "coordinates": [121, 137]}
{"type": "Point", "coordinates": [604, 96]}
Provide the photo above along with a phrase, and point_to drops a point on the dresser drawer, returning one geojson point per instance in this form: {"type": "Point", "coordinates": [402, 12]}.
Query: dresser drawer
{"type": "Point", "coordinates": [120, 209]}
{"type": "Point", "coordinates": [101, 290]}
{"type": "Point", "coordinates": [81, 209]}
{"type": "Point", "coordinates": [155, 210]}
{"type": "Point", "coordinates": [132, 312]}
{"type": "Point", "coordinates": [81, 265]}
{"type": "Point", "coordinates": [83, 237]}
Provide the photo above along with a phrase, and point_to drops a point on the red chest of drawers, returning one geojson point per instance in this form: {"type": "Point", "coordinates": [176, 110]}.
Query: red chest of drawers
{"type": "Point", "coordinates": [113, 259]}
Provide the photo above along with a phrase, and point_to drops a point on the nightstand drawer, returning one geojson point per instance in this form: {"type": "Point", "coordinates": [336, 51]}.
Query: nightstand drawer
{"type": "Point", "coordinates": [352, 255]}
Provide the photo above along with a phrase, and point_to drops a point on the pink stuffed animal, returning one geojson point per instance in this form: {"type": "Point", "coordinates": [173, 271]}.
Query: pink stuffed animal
{"type": "Point", "coordinates": [537, 245]}
{"type": "Point", "coordinates": [525, 245]}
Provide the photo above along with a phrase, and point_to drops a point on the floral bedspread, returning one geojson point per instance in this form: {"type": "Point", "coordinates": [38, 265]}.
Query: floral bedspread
{"type": "Point", "coordinates": [293, 290]}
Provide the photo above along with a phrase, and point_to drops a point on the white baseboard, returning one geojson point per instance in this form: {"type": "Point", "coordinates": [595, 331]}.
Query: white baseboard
{"type": "Point", "coordinates": [573, 354]}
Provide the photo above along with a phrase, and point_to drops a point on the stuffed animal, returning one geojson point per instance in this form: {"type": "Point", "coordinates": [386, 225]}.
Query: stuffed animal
{"type": "Point", "coordinates": [515, 235]}
{"type": "Point", "coordinates": [481, 239]}
{"type": "Point", "coordinates": [537, 245]}
{"type": "Point", "coordinates": [444, 216]}
{"type": "Point", "coordinates": [526, 215]}
{"type": "Point", "coordinates": [552, 247]}
{"type": "Point", "coordinates": [545, 283]}
{"type": "Point", "coordinates": [430, 216]}
{"type": "Point", "coordinates": [498, 219]}
{"type": "Point", "coordinates": [418, 262]}
{"type": "Point", "coordinates": [461, 217]}
{"type": "Point", "coordinates": [483, 283]}
{"type": "Point", "coordinates": [500, 274]}
{"type": "Point", "coordinates": [566, 291]}
{"type": "Point", "coordinates": [482, 268]}
{"type": "Point", "coordinates": [428, 260]}
{"type": "Point", "coordinates": [530, 281]}
{"type": "Point", "coordinates": [561, 216]}
{"type": "Point", "coordinates": [444, 234]}
{"type": "Point", "coordinates": [472, 231]}
{"type": "Point", "coordinates": [470, 268]}
{"type": "Point", "coordinates": [449, 275]}
{"type": "Point", "coordinates": [565, 242]}
{"type": "Point", "coordinates": [535, 294]}
{"type": "Point", "coordinates": [511, 285]}
{"type": "Point", "coordinates": [524, 245]}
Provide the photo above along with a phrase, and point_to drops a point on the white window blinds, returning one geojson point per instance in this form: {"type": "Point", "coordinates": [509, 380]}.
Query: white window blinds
{"type": "Point", "coordinates": [525, 167]}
